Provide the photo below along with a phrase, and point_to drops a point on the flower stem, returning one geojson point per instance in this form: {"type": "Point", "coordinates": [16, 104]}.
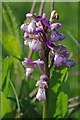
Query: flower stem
{"type": "Point", "coordinates": [47, 72]}
{"type": "Point", "coordinates": [44, 109]}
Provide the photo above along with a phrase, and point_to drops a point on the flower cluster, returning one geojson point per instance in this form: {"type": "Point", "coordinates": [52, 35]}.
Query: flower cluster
{"type": "Point", "coordinates": [41, 34]}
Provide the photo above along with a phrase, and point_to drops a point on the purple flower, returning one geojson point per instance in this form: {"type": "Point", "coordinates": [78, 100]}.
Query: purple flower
{"type": "Point", "coordinates": [56, 36]}
{"type": "Point", "coordinates": [29, 72]}
{"type": "Point", "coordinates": [43, 77]}
{"type": "Point", "coordinates": [31, 17]}
{"type": "Point", "coordinates": [55, 26]}
{"type": "Point", "coordinates": [39, 62]}
{"type": "Point", "coordinates": [61, 50]}
{"type": "Point", "coordinates": [45, 23]}
{"type": "Point", "coordinates": [26, 35]}
{"type": "Point", "coordinates": [42, 83]}
{"type": "Point", "coordinates": [41, 95]}
{"type": "Point", "coordinates": [26, 42]}
{"type": "Point", "coordinates": [24, 27]}
{"type": "Point", "coordinates": [41, 19]}
{"type": "Point", "coordinates": [35, 45]}
{"type": "Point", "coordinates": [70, 63]}
{"type": "Point", "coordinates": [61, 56]}
{"type": "Point", "coordinates": [59, 60]}
{"type": "Point", "coordinates": [30, 65]}
{"type": "Point", "coordinates": [29, 27]}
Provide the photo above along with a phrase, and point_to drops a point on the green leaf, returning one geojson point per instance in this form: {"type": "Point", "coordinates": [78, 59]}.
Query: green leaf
{"type": "Point", "coordinates": [7, 70]}
{"type": "Point", "coordinates": [9, 82]}
{"type": "Point", "coordinates": [0, 73]}
{"type": "Point", "coordinates": [5, 87]}
{"type": "Point", "coordinates": [11, 45]}
{"type": "Point", "coordinates": [8, 115]}
{"type": "Point", "coordinates": [11, 21]}
{"type": "Point", "coordinates": [52, 94]}
{"type": "Point", "coordinates": [64, 76]}
{"type": "Point", "coordinates": [5, 66]}
{"type": "Point", "coordinates": [7, 21]}
{"type": "Point", "coordinates": [5, 108]}
{"type": "Point", "coordinates": [56, 87]}
{"type": "Point", "coordinates": [6, 74]}
{"type": "Point", "coordinates": [17, 75]}
{"type": "Point", "coordinates": [57, 84]}
{"type": "Point", "coordinates": [61, 105]}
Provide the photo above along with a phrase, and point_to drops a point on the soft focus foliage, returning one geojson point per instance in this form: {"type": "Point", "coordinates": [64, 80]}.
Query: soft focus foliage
{"type": "Point", "coordinates": [18, 92]}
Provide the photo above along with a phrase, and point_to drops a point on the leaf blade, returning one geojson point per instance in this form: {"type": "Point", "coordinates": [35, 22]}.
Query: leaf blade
{"type": "Point", "coordinates": [5, 101]}
{"type": "Point", "coordinates": [57, 85]}
{"type": "Point", "coordinates": [7, 21]}
{"type": "Point", "coordinates": [11, 21]}
{"type": "Point", "coordinates": [11, 45]}
{"type": "Point", "coordinates": [61, 105]}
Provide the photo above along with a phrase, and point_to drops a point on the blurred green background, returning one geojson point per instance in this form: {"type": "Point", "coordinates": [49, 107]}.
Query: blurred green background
{"type": "Point", "coordinates": [68, 17]}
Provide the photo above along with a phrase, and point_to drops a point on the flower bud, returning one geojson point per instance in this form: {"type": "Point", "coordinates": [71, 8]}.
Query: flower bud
{"type": "Point", "coordinates": [54, 15]}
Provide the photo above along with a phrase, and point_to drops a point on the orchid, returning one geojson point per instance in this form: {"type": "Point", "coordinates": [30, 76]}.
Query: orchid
{"type": "Point", "coordinates": [41, 36]}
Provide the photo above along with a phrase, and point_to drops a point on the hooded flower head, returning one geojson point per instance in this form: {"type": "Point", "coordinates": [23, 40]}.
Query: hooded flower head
{"type": "Point", "coordinates": [41, 95]}
{"type": "Point", "coordinates": [29, 72]}
{"type": "Point", "coordinates": [61, 56]}
{"type": "Point", "coordinates": [70, 63]}
{"type": "Point", "coordinates": [35, 45]}
{"type": "Point", "coordinates": [59, 60]}
{"type": "Point", "coordinates": [30, 65]}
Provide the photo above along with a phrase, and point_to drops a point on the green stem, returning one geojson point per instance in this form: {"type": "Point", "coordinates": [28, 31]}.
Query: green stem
{"type": "Point", "coordinates": [44, 110]}
{"type": "Point", "coordinates": [47, 72]}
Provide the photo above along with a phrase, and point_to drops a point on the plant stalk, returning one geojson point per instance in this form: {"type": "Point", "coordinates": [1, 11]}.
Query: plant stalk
{"type": "Point", "coordinates": [45, 115]}
{"type": "Point", "coordinates": [47, 72]}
